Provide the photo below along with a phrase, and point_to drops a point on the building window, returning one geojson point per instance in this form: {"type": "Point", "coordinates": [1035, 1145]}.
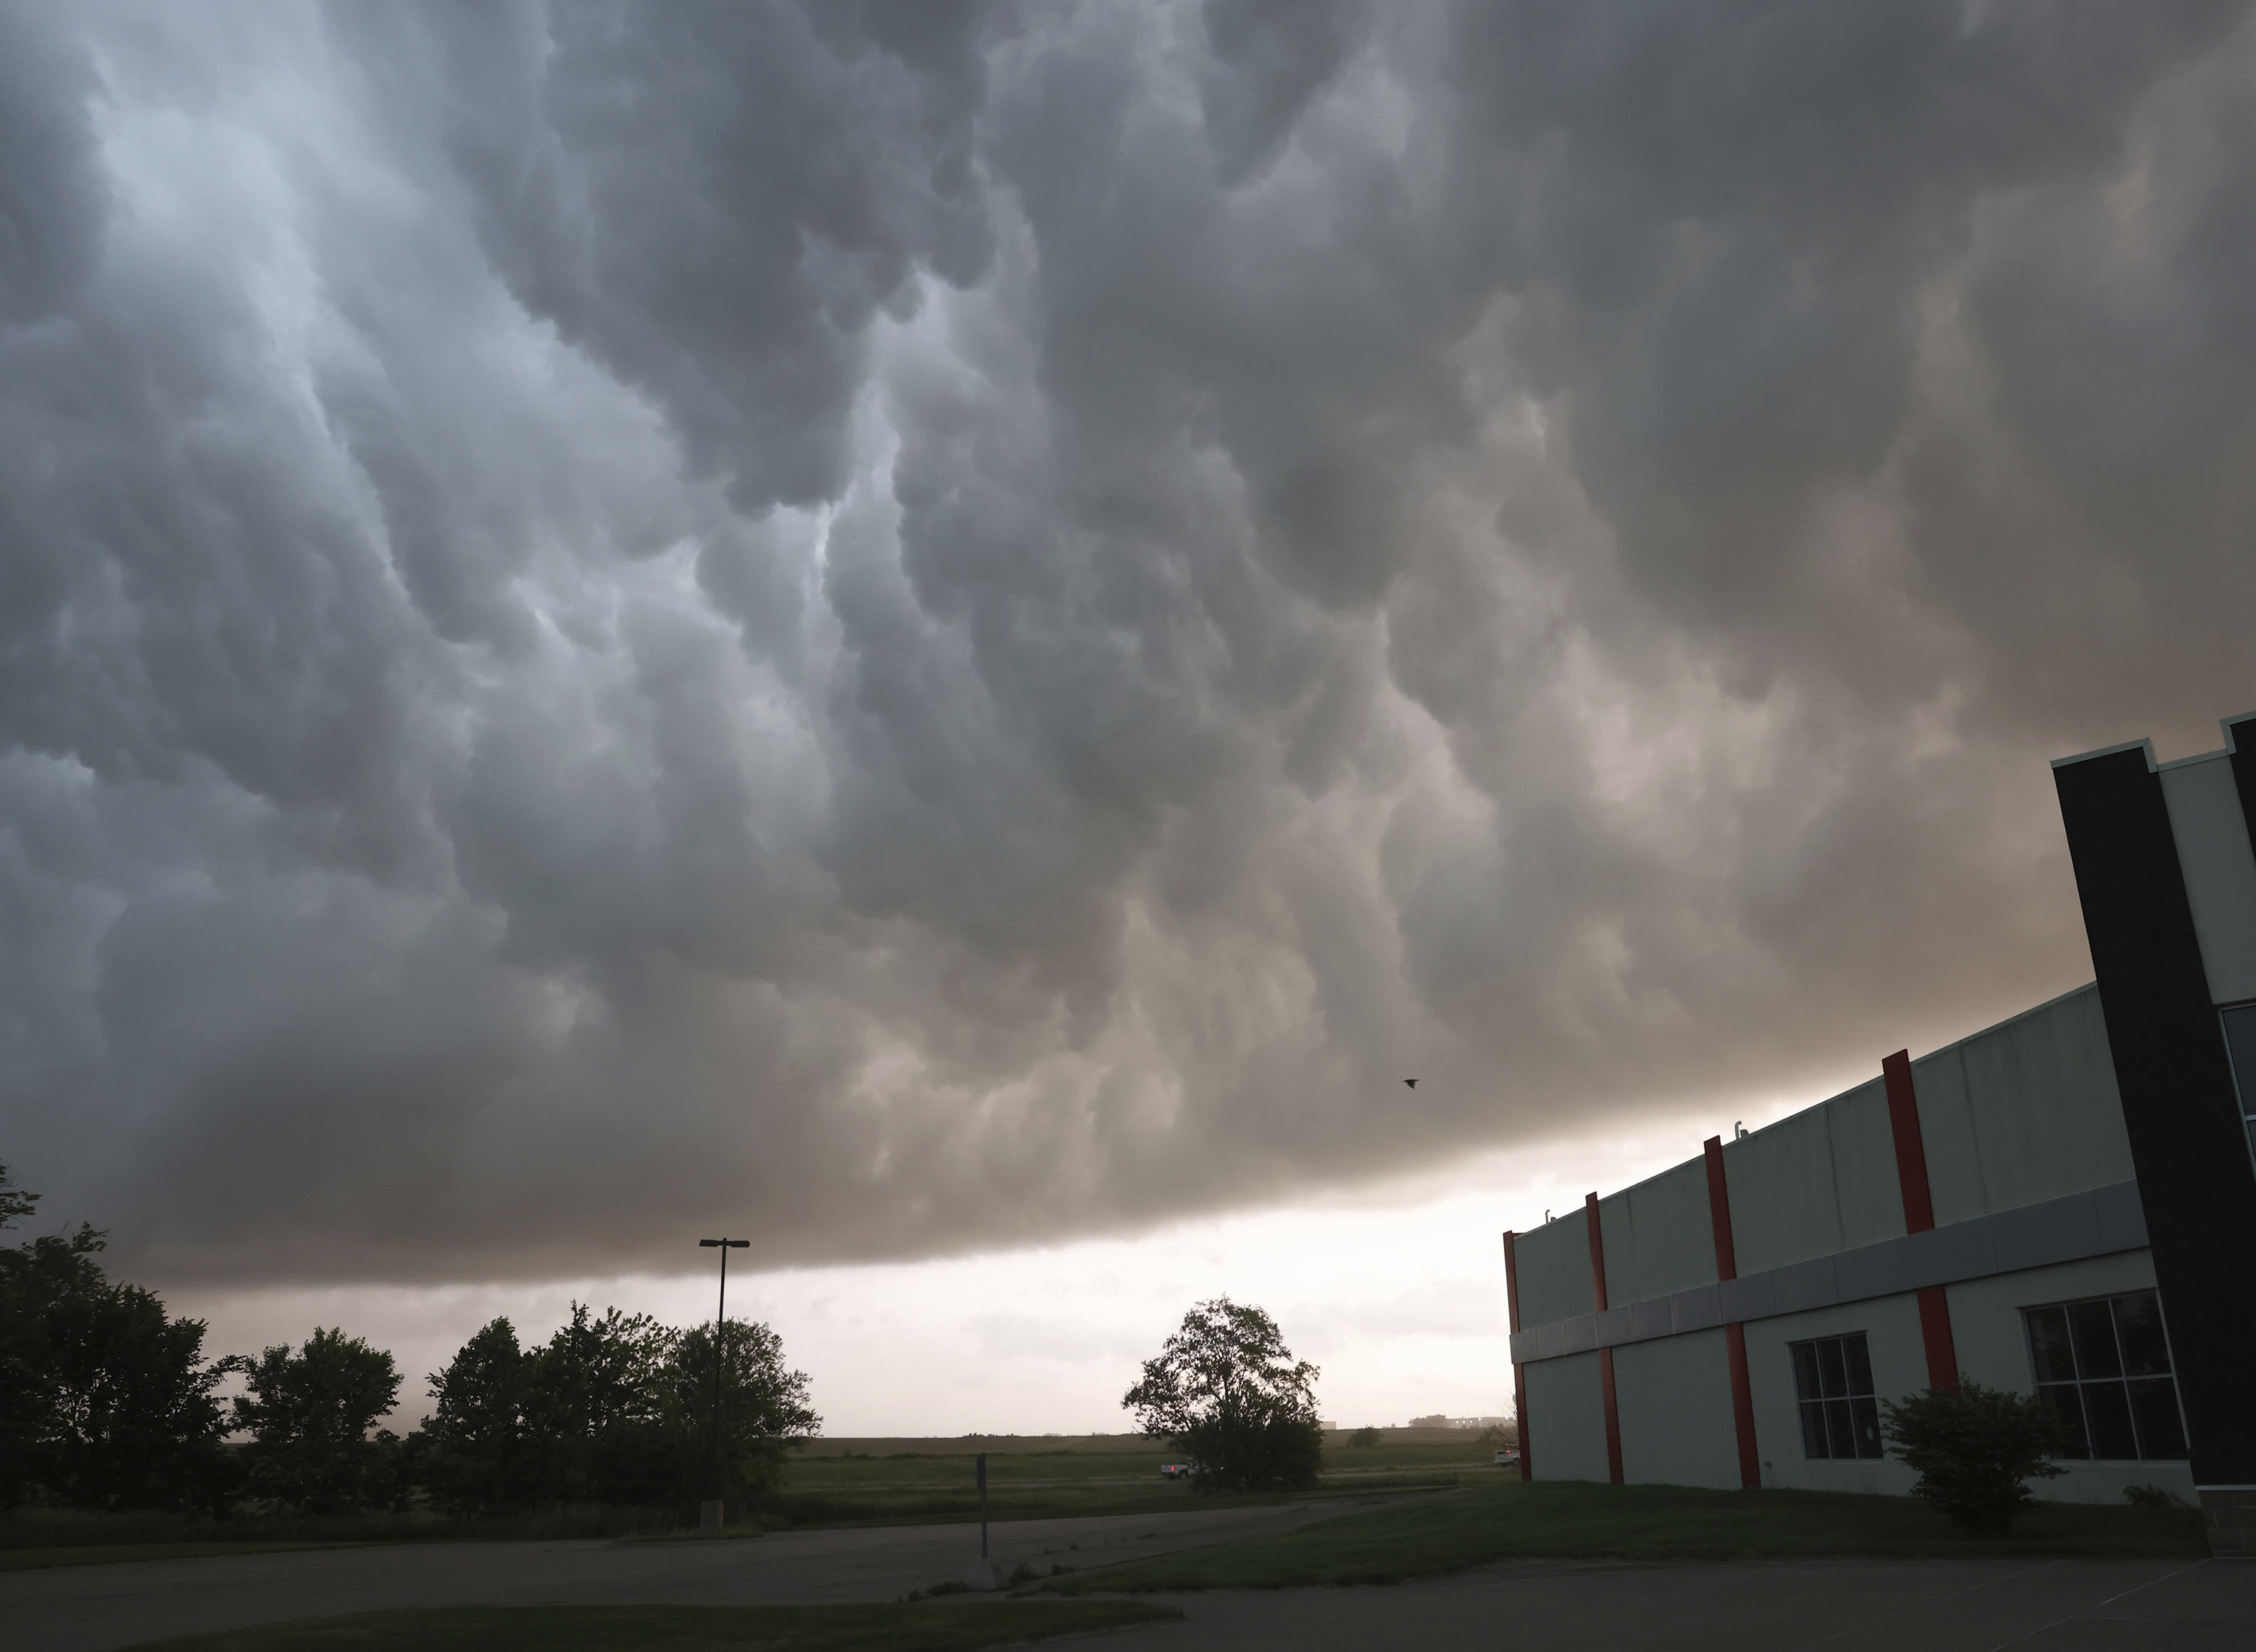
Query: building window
{"type": "Point", "coordinates": [2105, 1367]}
{"type": "Point", "coordinates": [1833, 1379]}
{"type": "Point", "coordinates": [2240, 1044]}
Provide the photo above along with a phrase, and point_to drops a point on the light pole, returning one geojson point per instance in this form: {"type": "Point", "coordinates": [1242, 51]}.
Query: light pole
{"type": "Point", "coordinates": [708, 1514]}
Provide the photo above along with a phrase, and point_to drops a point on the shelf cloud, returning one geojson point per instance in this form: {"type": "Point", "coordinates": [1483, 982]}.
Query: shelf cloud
{"type": "Point", "coordinates": [900, 628]}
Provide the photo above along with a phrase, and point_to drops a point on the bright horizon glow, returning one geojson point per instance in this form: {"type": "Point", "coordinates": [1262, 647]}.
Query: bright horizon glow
{"type": "Point", "coordinates": [1395, 1291]}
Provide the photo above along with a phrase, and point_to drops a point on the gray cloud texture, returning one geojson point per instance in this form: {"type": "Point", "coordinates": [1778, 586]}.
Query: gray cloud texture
{"type": "Point", "coordinates": [902, 627]}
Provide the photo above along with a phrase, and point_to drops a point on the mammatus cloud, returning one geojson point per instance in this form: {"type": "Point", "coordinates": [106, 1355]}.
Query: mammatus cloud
{"type": "Point", "coordinates": [905, 627]}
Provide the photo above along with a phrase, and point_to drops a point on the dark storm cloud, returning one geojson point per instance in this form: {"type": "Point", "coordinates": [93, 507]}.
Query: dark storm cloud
{"type": "Point", "coordinates": [905, 627]}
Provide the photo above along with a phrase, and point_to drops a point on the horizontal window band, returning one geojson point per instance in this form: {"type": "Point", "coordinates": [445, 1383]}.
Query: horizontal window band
{"type": "Point", "coordinates": [2100, 1222]}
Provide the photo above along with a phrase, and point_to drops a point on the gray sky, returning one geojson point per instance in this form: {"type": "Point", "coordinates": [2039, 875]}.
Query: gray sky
{"type": "Point", "coordinates": [907, 629]}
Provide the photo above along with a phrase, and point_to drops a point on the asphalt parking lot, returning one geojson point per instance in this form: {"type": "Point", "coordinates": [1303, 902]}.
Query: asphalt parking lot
{"type": "Point", "coordinates": [1845, 1606]}
{"type": "Point", "coordinates": [95, 1608]}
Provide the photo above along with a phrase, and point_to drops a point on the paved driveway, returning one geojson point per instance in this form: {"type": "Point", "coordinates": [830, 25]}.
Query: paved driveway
{"type": "Point", "coordinates": [2183, 1606]}
{"type": "Point", "coordinates": [92, 1608]}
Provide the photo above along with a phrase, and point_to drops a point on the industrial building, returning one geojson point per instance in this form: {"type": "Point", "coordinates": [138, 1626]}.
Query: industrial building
{"type": "Point", "coordinates": [2062, 1205]}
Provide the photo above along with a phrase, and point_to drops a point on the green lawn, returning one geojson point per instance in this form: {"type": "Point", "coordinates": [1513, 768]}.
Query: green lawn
{"type": "Point", "coordinates": [1427, 1535]}
{"type": "Point", "coordinates": [102, 1554]}
{"type": "Point", "coordinates": [876, 1628]}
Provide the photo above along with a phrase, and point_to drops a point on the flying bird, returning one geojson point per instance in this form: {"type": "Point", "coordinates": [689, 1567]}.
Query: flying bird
{"type": "Point", "coordinates": [1412, 1082]}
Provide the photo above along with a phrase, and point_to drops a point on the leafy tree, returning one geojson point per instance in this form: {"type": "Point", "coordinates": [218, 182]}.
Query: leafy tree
{"type": "Point", "coordinates": [35, 1279]}
{"type": "Point", "coordinates": [15, 1204]}
{"type": "Point", "coordinates": [104, 1401]}
{"type": "Point", "coordinates": [764, 1407]}
{"type": "Point", "coordinates": [593, 1410]}
{"type": "Point", "coordinates": [1974, 1450]}
{"type": "Point", "coordinates": [614, 1408]}
{"type": "Point", "coordinates": [475, 1451]}
{"type": "Point", "coordinates": [1364, 1439]}
{"type": "Point", "coordinates": [135, 1424]}
{"type": "Point", "coordinates": [1227, 1394]}
{"type": "Point", "coordinates": [310, 1415]}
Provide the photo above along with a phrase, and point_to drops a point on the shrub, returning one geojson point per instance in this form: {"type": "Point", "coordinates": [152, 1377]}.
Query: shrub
{"type": "Point", "coordinates": [1364, 1437]}
{"type": "Point", "coordinates": [2152, 1497]}
{"type": "Point", "coordinates": [1975, 1450]}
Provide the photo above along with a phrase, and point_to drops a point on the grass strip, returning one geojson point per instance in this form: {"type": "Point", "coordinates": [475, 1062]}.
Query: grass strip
{"type": "Point", "coordinates": [103, 1554]}
{"type": "Point", "coordinates": [1560, 1519]}
{"type": "Point", "coordinates": [53, 1537]}
{"type": "Point", "coordinates": [853, 1628]}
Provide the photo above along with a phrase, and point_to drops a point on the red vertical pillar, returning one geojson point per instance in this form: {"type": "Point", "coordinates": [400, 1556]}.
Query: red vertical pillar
{"type": "Point", "coordinates": [1919, 1216]}
{"type": "Point", "coordinates": [1519, 1372]}
{"type": "Point", "coordinates": [1735, 1334]}
{"type": "Point", "coordinates": [1605, 1355]}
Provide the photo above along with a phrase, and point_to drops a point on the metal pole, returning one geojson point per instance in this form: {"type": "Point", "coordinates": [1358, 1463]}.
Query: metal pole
{"type": "Point", "coordinates": [983, 1505]}
{"type": "Point", "coordinates": [719, 1364]}
{"type": "Point", "coordinates": [710, 1514]}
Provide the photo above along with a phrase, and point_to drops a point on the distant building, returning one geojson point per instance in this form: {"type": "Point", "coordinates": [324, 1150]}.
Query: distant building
{"type": "Point", "coordinates": [2063, 1204]}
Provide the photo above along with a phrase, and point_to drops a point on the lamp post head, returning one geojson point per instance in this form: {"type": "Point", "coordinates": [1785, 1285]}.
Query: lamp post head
{"type": "Point", "coordinates": [734, 1245]}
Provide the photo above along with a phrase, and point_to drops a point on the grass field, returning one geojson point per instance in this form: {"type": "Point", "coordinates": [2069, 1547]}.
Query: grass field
{"type": "Point", "coordinates": [852, 1482]}
{"type": "Point", "coordinates": [880, 1628]}
{"type": "Point", "coordinates": [1429, 1535]}
{"type": "Point", "coordinates": [838, 1482]}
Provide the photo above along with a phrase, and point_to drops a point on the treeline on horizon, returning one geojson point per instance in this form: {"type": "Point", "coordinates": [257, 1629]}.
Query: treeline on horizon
{"type": "Point", "coordinates": [107, 1403]}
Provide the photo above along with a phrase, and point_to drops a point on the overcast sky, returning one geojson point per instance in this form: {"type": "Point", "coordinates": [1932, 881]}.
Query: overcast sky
{"type": "Point", "coordinates": [921, 631]}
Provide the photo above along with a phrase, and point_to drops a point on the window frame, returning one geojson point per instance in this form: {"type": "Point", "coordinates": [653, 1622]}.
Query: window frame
{"type": "Point", "coordinates": [2120, 1381]}
{"type": "Point", "coordinates": [1823, 1413]}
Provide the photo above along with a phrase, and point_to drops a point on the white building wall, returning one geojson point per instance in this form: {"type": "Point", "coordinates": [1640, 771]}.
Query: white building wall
{"type": "Point", "coordinates": [1555, 1270]}
{"type": "Point", "coordinates": [1673, 1398]}
{"type": "Point", "coordinates": [1566, 1419]}
{"type": "Point", "coordinates": [1891, 1334]}
{"type": "Point", "coordinates": [1658, 1235]}
{"type": "Point", "coordinates": [1815, 1182]}
{"type": "Point", "coordinates": [2022, 1111]}
{"type": "Point", "coordinates": [1993, 1350]}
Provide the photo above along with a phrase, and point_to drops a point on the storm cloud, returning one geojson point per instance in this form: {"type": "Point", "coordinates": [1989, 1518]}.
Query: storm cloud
{"type": "Point", "coordinates": [903, 627]}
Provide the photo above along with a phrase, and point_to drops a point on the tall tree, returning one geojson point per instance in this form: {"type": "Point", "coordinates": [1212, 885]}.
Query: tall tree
{"type": "Point", "coordinates": [32, 1276]}
{"type": "Point", "coordinates": [310, 1415]}
{"type": "Point", "coordinates": [1227, 1393]}
{"type": "Point", "coordinates": [475, 1451]}
{"type": "Point", "coordinates": [134, 1423]}
{"type": "Point", "coordinates": [593, 1408]}
{"type": "Point", "coordinates": [104, 1401]}
{"type": "Point", "coordinates": [765, 1405]}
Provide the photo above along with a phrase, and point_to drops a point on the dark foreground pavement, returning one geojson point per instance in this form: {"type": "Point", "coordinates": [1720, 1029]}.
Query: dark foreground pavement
{"type": "Point", "coordinates": [1846, 1605]}
{"type": "Point", "coordinates": [95, 1608]}
{"type": "Point", "coordinates": [1840, 1606]}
